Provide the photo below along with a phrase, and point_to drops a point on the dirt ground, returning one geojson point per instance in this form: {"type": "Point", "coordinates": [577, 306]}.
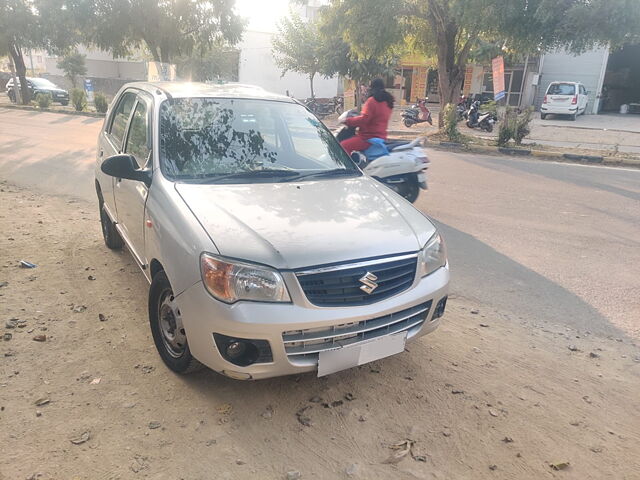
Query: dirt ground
{"type": "Point", "coordinates": [487, 396]}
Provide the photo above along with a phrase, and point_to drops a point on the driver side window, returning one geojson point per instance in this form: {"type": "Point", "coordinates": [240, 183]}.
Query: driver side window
{"type": "Point", "coordinates": [138, 137]}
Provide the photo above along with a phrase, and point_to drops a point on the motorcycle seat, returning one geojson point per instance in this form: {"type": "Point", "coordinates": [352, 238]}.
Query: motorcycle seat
{"type": "Point", "coordinates": [391, 144]}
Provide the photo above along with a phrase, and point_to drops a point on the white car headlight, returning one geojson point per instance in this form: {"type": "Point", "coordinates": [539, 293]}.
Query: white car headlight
{"type": "Point", "coordinates": [432, 256]}
{"type": "Point", "coordinates": [231, 281]}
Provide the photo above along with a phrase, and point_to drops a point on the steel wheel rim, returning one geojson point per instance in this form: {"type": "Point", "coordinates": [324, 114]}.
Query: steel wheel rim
{"type": "Point", "coordinates": [170, 325]}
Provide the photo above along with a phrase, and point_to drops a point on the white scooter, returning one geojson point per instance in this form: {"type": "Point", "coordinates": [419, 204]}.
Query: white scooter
{"type": "Point", "coordinates": [399, 165]}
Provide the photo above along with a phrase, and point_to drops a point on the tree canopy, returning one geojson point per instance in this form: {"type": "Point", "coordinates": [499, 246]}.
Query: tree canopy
{"type": "Point", "coordinates": [168, 29]}
{"type": "Point", "coordinates": [298, 47]}
{"type": "Point", "coordinates": [73, 66]}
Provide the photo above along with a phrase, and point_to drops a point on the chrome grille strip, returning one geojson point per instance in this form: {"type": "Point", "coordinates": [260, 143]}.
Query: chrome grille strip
{"type": "Point", "coordinates": [310, 342]}
{"type": "Point", "coordinates": [362, 326]}
{"type": "Point", "coordinates": [350, 341]}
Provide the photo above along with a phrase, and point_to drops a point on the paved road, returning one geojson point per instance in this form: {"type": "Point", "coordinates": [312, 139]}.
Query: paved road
{"type": "Point", "coordinates": [547, 242]}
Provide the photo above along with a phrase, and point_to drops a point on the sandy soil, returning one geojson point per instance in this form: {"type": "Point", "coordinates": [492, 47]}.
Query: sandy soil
{"type": "Point", "coordinates": [485, 397]}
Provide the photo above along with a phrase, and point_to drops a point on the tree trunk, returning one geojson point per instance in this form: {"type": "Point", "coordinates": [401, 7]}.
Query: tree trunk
{"type": "Point", "coordinates": [16, 92]}
{"type": "Point", "coordinates": [153, 49]}
{"type": "Point", "coordinates": [21, 71]}
{"type": "Point", "coordinates": [451, 65]}
{"type": "Point", "coordinates": [313, 95]}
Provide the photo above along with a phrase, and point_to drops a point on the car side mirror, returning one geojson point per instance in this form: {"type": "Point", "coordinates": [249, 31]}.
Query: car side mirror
{"type": "Point", "coordinates": [125, 166]}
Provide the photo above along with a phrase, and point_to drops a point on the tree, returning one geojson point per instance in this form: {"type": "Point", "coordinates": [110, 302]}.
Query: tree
{"type": "Point", "coordinates": [450, 30]}
{"type": "Point", "coordinates": [298, 47]}
{"type": "Point", "coordinates": [168, 29]}
{"type": "Point", "coordinates": [73, 66]}
{"type": "Point", "coordinates": [25, 24]}
{"type": "Point", "coordinates": [17, 24]}
{"type": "Point", "coordinates": [217, 64]}
{"type": "Point", "coordinates": [341, 59]}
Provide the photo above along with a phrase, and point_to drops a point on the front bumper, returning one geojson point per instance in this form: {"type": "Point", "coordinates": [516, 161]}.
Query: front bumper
{"type": "Point", "coordinates": [203, 316]}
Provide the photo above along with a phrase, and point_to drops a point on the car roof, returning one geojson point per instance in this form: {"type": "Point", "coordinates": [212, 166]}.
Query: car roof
{"type": "Point", "coordinates": [560, 81]}
{"type": "Point", "coordinates": [199, 89]}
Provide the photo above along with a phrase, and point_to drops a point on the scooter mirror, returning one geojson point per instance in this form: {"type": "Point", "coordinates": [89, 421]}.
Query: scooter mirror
{"type": "Point", "coordinates": [357, 158]}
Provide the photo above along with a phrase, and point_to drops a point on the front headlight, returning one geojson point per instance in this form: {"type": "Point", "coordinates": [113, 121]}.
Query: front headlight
{"type": "Point", "coordinates": [432, 256]}
{"type": "Point", "coordinates": [231, 281]}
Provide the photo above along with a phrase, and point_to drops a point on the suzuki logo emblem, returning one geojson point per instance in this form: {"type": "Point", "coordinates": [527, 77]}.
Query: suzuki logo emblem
{"type": "Point", "coordinates": [369, 283]}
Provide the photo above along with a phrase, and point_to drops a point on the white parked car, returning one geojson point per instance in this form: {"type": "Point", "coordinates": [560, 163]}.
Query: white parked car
{"type": "Point", "coordinates": [564, 98]}
{"type": "Point", "coordinates": [268, 251]}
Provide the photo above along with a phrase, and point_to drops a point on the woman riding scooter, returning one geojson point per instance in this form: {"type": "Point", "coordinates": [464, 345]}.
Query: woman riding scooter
{"type": "Point", "coordinates": [373, 121]}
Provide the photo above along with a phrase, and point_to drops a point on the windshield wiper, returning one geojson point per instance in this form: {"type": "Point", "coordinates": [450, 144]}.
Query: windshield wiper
{"type": "Point", "coordinates": [324, 173]}
{"type": "Point", "coordinates": [215, 177]}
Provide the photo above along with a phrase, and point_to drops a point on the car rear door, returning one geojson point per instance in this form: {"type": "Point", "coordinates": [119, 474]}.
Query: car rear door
{"type": "Point", "coordinates": [131, 195]}
{"type": "Point", "coordinates": [583, 98]}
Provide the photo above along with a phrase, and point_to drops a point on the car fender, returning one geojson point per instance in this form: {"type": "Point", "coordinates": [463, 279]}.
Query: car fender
{"type": "Point", "coordinates": [173, 235]}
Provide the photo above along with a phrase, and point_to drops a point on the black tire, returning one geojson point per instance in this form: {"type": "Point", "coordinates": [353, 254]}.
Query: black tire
{"type": "Point", "coordinates": [409, 190]}
{"type": "Point", "coordinates": [543, 116]}
{"type": "Point", "coordinates": [574, 116]}
{"type": "Point", "coordinates": [339, 109]}
{"type": "Point", "coordinates": [178, 360]}
{"type": "Point", "coordinates": [64, 104]}
{"type": "Point", "coordinates": [112, 238]}
{"type": "Point", "coordinates": [488, 127]}
{"type": "Point", "coordinates": [408, 123]}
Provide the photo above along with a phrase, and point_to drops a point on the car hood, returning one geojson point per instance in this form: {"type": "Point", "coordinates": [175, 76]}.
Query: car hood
{"type": "Point", "coordinates": [302, 224]}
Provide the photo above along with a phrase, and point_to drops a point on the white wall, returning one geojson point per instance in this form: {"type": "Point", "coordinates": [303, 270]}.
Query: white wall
{"type": "Point", "coordinates": [257, 67]}
{"type": "Point", "coordinates": [587, 68]}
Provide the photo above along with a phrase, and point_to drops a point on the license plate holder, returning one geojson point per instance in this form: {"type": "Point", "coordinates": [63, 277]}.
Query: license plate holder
{"type": "Point", "coordinates": [342, 358]}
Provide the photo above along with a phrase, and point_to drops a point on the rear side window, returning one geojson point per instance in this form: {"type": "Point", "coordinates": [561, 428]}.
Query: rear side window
{"type": "Point", "coordinates": [121, 117]}
{"type": "Point", "coordinates": [561, 89]}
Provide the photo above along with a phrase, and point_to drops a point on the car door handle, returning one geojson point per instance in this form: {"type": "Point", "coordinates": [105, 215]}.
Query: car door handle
{"type": "Point", "coordinates": [101, 153]}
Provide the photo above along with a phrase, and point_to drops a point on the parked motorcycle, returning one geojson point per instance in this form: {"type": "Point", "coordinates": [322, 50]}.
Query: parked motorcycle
{"type": "Point", "coordinates": [323, 109]}
{"type": "Point", "coordinates": [477, 119]}
{"type": "Point", "coordinates": [400, 165]}
{"type": "Point", "coordinates": [417, 113]}
{"type": "Point", "coordinates": [462, 108]}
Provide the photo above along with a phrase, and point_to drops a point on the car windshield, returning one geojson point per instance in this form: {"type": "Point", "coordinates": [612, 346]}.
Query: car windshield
{"type": "Point", "coordinates": [562, 89]}
{"type": "Point", "coordinates": [214, 140]}
{"type": "Point", "coordinates": [42, 83]}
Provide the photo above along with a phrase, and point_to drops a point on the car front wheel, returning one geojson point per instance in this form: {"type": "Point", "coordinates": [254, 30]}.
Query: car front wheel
{"type": "Point", "coordinates": [167, 329]}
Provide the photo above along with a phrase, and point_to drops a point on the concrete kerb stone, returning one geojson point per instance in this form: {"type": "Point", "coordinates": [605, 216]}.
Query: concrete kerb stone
{"type": "Point", "coordinates": [49, 110]}
{"type": "Point", "coordinates": [541, 154]}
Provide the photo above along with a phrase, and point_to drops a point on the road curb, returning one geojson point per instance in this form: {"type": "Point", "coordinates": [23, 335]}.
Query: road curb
{"type": "Point", "coordinates": [48, 110]}
{"type": "Point", "coordinates": [542, 154]}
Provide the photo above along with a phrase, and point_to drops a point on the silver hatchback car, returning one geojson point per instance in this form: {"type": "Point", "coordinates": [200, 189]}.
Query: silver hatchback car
{"type": "Point", "coordinates": [268, 251]}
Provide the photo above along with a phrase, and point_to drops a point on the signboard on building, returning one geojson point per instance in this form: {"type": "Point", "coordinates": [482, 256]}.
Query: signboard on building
{"type": "Point", "coordinates": [160, 72]}
{"type": "Point", "coordinates": [473, 77]}
{"type": "Point", "coordinates": [497, 66]}
{"type": "Point", "coordinates": [418, 82]}
{"type": "Point", "coordinates": [88, 88]}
